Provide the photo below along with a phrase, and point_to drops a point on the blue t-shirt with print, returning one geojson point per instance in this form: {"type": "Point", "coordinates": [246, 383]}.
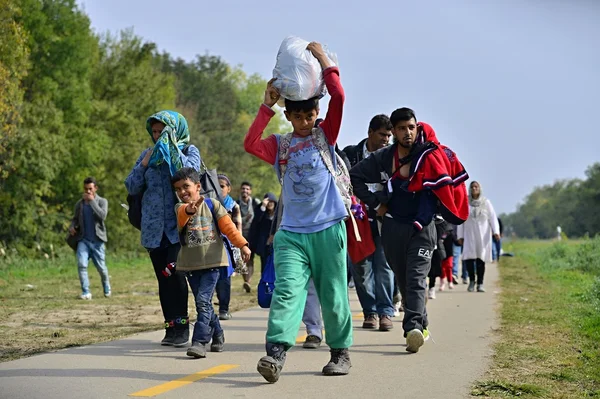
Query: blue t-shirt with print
{"type": "Point", "coordinates": [311, 199]}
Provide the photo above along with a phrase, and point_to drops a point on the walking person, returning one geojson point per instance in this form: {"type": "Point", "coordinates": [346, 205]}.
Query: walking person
{"type": "Point", "coordinates": [248, 205]}
{"type": "Point", "coordinates": [476, 236]}
{"type": "Point", "coordinates": [373, 276]}
{"type": "Point", "coordinates": [151, 177]}
{"type": "Point", "coordinates": [89, 229]}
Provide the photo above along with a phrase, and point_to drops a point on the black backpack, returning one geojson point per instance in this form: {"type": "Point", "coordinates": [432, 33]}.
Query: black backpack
{"type": "Point", "coordinates": [210, 185]}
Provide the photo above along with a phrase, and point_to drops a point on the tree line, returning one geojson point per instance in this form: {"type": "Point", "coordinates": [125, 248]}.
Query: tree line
{"type": "Point", "coordinates": [572, 204]}
{"type": "Point", "coordinates": [74, 103]}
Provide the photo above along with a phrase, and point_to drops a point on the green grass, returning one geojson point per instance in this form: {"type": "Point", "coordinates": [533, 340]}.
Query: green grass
{"type": "Point", "coordinates": [549, 343]}
{"type": "Point", "coordinates": [40, 310]}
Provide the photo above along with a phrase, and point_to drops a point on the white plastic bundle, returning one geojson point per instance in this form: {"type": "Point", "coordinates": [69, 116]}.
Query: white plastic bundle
{"type": "Point", "coordinates": [298, 72]}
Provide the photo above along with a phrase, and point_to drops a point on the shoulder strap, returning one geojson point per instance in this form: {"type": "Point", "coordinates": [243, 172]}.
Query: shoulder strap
{"type": "Point", "coordinates": [284, 151]}
{"type": "Point", "coordinates": [323, 147]}
{"type": "Point", "coordinates": [211, 207]}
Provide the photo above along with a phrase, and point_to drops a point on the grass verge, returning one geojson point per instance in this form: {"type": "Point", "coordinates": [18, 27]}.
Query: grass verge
{"type": "Point", "coordinates": [40, 311]}
{"type": "Point", "coordinates": [549, 344]}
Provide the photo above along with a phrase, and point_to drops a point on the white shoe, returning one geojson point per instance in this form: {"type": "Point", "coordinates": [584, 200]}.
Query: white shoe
{"type": "Point", "coordinates": [107, 294]}
{"type": "Point", "coordinates": [443, 285]}
{"type": "Point", "coordinates": [432, 293]}
{"type": "Point", "coordinates": [414, 340]}
{"type": "Point", "coordinates": [86, 297]}
{"type": "Point", "coordinates": [450, 285]}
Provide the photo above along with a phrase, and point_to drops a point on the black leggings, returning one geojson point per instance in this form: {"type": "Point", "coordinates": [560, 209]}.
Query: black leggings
{"type": "Point", "coordinates": [172, 290]}
{"type": "Point", "coordinates": [478, 264]}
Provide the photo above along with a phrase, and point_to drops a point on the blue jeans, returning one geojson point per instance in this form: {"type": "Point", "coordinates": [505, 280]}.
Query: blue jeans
{"type": "Point", "coordinates": [496, 249]}
{"type": "Point", "coordinates": [203, 283]}
{"type": "Point", "coordinates": [224, 290]}
{"type": "Point", "coordinates": [456, 251]}
{"type": "Point", "coordinates": [95, 250]}
{"type": "Point", "coordinates": [312, 312]}
{"type": "Point", "coordinates": [374, 281]}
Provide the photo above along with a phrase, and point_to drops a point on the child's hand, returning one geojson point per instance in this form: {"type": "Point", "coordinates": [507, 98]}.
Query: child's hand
{"type": "Point", "coordinates": [271, 94]}
{"type": "Point", "coordinates": [191, 209]}
{"type": "Point", "coordinates": [245, 253]}
{"type": "Point", "coordinates": [317, 50]}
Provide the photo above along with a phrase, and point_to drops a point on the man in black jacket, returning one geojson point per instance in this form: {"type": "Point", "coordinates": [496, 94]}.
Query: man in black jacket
{"type": "Point", "coordinates": [373, 277]}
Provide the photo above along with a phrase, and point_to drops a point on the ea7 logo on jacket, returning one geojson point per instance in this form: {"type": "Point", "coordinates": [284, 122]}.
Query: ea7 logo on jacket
{"type": "Point", "coordinates": [425, 253]}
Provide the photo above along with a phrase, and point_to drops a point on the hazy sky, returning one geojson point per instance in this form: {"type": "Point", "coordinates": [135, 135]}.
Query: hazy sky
{"type": "Point", "coordinates": [510, 86]}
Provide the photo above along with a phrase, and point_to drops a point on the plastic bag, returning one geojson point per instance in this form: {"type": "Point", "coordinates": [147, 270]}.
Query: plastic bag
{"type": "Point", "coordinates": [298, 72]}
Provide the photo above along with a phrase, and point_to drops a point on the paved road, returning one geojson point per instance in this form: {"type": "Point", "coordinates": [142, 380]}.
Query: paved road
{"type": "Point", "coordinates": [461, 325]}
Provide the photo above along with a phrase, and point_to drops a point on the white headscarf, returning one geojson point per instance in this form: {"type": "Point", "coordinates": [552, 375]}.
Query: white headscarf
{"type": "Point", "coordinates": [478, 204]}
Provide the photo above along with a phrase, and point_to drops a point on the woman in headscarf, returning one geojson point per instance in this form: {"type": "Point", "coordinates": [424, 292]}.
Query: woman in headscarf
{"type": "Point", "coordinates": [151, 176]}
{"type": "Point", "coordinates": [476, 235]}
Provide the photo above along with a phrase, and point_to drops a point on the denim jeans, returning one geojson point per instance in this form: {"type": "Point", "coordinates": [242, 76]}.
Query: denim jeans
{"type": "Point", "coordinates": [312, 312]}
{"type": "Point", "coordinates": [374, 282]}
{"type": "Point", "coordinates": [203, 283]}
{"type": "Point", "coordinates": [456, 251]}
{"type": "Point", "coordinates": [95, 250]}
{"type": "Point", "coordinates": [496, 249]}
{"type": "Point", "coordinates": [224, 290]}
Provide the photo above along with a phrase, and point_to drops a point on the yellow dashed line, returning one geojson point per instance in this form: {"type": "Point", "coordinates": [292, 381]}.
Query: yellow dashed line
{"type": "Point", "coordinates": [180, 382]}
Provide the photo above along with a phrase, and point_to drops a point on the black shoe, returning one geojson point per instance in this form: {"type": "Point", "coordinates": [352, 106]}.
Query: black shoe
{"type": "Point", "coordinates": [339, 364]}
{"type": "Point", "coordinates": [197, 350]}
{"type": "Point", "coordinates": [454, 279]}
{"type": "Point", "coordinates": [169, 338]}
{"type": "Point", "coordinates": [270, 366]}
{"type": "Point", "coordinates": [224, 316]}
{"type": "Point", "coordinates": [217, 343]}
{"type": "Point", "coordinates": [182, 336]}
{"type": "Point", "coordinates": [311, 342]}
{"type": "Point", "coordinates": [247, 287]}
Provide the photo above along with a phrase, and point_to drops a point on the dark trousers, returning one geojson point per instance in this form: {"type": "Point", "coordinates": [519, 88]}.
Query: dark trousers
{"type": "Point", "coordinates": [476, 264]}
{"type": "Point", "coordinates": [436, 268]}
{"type": "Point", "coordinates": [202, 283]}
{"type": "Point", "coordinates": [223, 290]}
{"type": "Point", "coordinates": [172, 290]}
{"type": "Point", "coordinates": [409, 253]}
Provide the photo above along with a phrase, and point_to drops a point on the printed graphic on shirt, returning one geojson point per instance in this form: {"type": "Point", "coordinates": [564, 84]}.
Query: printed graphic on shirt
{"type": "Point", "coordinates": [304, 169]}
{"type": "Point", "coordinates": [425, 253]}
{"type": "Point", "coordinates": [200, 231]}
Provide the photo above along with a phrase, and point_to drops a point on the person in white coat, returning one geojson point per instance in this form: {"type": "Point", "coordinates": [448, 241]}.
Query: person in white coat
{"type": "Point", "coordinates": [476, 235]}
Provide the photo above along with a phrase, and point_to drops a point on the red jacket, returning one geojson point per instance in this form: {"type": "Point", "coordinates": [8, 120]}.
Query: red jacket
{"type": "Point", "coordinates": [439, 170]}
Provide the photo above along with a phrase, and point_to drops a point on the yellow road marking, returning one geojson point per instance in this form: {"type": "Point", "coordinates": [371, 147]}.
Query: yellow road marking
{"type": "Point", "coordinates": [301, 339]}
{"type": "Point", "coordinates": [180, 382]}
{"type": "Point", "coordinates": [357, 316]}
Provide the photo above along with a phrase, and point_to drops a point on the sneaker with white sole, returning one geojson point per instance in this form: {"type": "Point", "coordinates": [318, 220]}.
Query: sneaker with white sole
{"type": "Point", "coordinates": [431, 293]}
{"type": "Point", "coordinates": [107, 294]}
{"type": "Point", "coordinates": [443, 285]}
{"type": "Point", "coordinates": [480, 288]}
{"type": "Point", "coordinates": [415, 340]}
{"type": "Point", "coordinates": [450, 286]}
{"type": "Point", "coordinates": [87, 297]}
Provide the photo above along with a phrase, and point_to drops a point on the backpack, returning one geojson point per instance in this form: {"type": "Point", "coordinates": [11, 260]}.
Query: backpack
{"type": "Point", "coordinates": [335, 165]}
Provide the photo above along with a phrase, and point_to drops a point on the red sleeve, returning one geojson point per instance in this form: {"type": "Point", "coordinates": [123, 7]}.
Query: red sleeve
{"type": "Point", "coordinates": [265, 149]}
{"type": "Point", "coordinates": [333, 120]}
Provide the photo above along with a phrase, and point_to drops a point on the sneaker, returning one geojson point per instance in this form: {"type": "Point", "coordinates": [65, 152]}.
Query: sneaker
{"type": "Point", "coordinates": [217, 343]}
{"type": "Point", "coordinates": [351, 284]}
{"type": "Point", "coordinates": [414, 340]}
{"type": "Point", "coordinates": [311, 342]}
{"type": "Point", "coordinates": [86, 297]}
{"type": "Point", "coordinates": [197, 350]}
{"type": "Point", "coordinates": [385, 323]}
{"type": "Point", "coordinates": [443, 285]}
{"type": "Point", "coordinates": [107, 294]}
{"type": "Point", "coordinates": [471, 286]}
{"type": "Point", "coordinates": [431, 293]}
{"type": "Point", "coordinates": [169, 338]}
{"type": "Point", "coordinates": [225, 316]}
{"type": "Point", "coordinates": [270, 366]}
{"type": "Point", "coordinates": [182, 336]}
{"type": "Point", "coordinates": [426, 334]}
{"type": "Point", "coordinates": [339, 364]}
{"type": "Point", "coordinates": [247, 287]}
{"type": "Point", "coordinates": [450, 286]}
{"type": "Point", "coordinates": [454, 279]}
{"type": "Point", "coordinates": [370, 321]}
{"type": "Point", "coordinates": [480, 288]}
{"type": "Point", "coordinates": [465, 281]}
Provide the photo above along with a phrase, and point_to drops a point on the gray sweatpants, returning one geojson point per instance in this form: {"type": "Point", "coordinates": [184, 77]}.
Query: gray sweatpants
{"type": "Point", "coordinates": [409, 252]}
{"type": "Point", "coordinates": [312, 312]}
